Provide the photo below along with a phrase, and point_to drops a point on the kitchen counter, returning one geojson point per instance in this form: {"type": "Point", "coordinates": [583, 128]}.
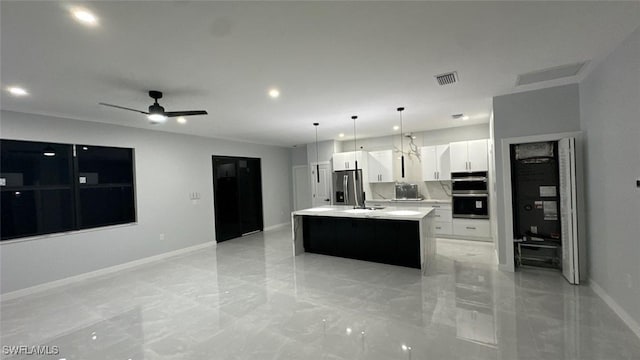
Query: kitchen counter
{"type": "Point", "coordinates": [388, 212]}
{"type": "Point", "coordinates": [392, 235]}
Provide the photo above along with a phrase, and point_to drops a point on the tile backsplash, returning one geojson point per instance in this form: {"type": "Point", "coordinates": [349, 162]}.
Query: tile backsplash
{"type": "Point", "coordinates": [437, 190]}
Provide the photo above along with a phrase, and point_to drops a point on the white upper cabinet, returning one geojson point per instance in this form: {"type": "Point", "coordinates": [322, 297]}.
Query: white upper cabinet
{"type": "Point", "coordinates": [469, 156]}
{"type": "Point", "coordinates": [347, 160]}
{"type": "Point", "coordinates": [380, 166]}
{"type": "Point", "coordinates": [435, 162]}
{"type": "Point", "coordinates": [478, 155]}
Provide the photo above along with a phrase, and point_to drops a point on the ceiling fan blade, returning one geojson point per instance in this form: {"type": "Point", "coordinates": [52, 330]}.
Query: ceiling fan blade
{"type": "Point", "coordinates": [185, 113]}
{"type": "Point", "coordinates": [124, 108]}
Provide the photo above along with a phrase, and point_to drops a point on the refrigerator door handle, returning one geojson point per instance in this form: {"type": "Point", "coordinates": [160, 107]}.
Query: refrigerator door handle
{"type": "Point", "coordinates": [345, 184]}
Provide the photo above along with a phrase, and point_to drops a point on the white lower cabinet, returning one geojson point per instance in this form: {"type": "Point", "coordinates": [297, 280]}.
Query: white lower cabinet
{"type": "Point", "coordinates": [471, 228]}
{"type": "Point", "coordinates": [443, 228]}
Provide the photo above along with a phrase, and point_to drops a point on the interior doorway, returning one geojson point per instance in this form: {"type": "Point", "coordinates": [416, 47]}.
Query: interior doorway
{"type": "Point", "coordinates": [320, 184]}
{"type": "Point", "coordinates": [541, 197]}
{"type": "Point", "coordinates": [237, 189]}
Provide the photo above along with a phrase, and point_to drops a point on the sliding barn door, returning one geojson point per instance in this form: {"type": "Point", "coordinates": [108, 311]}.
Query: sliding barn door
{"type": "Point", "coordinates": [568, 210]}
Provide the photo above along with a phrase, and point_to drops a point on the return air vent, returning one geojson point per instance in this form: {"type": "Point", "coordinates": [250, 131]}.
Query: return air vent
{"type": "Point", "coordinates": [447, 78]}
{"type": "Point", "coordinates": [550, 74]}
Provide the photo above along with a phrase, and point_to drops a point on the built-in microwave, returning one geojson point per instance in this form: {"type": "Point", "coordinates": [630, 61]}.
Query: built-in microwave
{"type": "Point", "coordinates": [469, 183]}
{"type": "Point", "coordinates": [470, 206]}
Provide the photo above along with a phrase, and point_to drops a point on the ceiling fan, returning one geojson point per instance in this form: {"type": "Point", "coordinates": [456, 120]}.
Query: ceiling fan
{"type": "Point", "coordinates": [156, 113]}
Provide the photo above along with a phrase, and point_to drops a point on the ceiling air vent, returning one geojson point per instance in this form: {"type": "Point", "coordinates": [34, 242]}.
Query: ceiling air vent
{"type": "Point", "coordinates": [447, 78]}
{"type": "Point", "coordinates": [550, 74]}
{"type": "Point", "coordinates": [457, 116]}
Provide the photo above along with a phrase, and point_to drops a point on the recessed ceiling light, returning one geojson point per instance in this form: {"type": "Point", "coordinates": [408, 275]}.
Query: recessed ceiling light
{"type": "Point", "coordinates": [274, 93]}
{"type": "Point", "coordinates": [465, 117]}
{"type": "Point", "coordinates": [181, 120]}
{"type": "Point", "coordinates": [396, 127]}
{"type": "Point", "coordinates": [17, 91]}
{"type": "Point", "coordinates": [84, 16]}
{"type": "Point", "coordinates": [341, 135]}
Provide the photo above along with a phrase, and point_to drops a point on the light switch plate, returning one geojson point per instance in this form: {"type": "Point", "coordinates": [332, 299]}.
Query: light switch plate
{"type": "Point", "coordinates": [83, 179]}
{"type": "Point", "coordinates": [3, 182]}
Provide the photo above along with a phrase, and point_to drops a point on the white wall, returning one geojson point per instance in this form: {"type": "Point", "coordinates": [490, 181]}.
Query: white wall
{"type": "Point", "coordinates": [547, 111]}
{"type": "Point", "coordinates": [610, 118]}
{"type": "Point", "coordinates": [168, 167]}
{"type": "Point", "coordinates": [299, 155]}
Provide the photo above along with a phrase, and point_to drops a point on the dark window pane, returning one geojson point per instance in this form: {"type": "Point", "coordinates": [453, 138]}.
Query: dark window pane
{"type": "Point", "coordinates": [104, 165]}
{"type": "Point", "coordinates": [35, 212]}
{"type": "Point", "coordinates": [106, 206]}
{"type": "Point", "coordinates": [27, 163]}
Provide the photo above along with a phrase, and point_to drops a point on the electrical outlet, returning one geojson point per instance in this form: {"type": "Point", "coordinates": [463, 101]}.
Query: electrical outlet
{"type": "Point", "coordinates": [161, 236]}
{"type": "Point", "coordinates": [629, 281]}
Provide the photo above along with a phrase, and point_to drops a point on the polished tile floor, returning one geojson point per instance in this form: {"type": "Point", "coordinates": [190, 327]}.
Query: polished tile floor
{"type": "Point", "coordinates": [249, 298]}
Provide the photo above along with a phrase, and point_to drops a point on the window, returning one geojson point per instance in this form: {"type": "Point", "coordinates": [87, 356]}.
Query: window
{"type": "Point", "coordinates": [46, 189]}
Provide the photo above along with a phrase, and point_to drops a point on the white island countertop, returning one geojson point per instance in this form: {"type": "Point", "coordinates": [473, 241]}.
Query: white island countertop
{"type": "Point", "coordinates": [388, 213]}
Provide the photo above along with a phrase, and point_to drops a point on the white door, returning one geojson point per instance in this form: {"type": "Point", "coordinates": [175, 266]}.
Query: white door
{"type": "Point", "coordinates": [478, 159]}
{"type": "Point", "coordinates": [429, 163]}
{"type": "Point", "coordinates": [321, 190]}
{"type": "Point", "coordinates": [301, 188]}
{"type": "Point", "coordinates": [568, 210]}
{"type": "Point", "coordinates": [444, 162]}
{"type": "Point", "coordinates": [459, 156]}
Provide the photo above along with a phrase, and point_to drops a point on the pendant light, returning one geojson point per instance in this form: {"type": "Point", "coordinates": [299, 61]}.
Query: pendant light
{"type": "Point", "coordinates": [317, 157]}
{"type": "Point", "coordinates": [355, 148]}
{"type": "Point", "coordinates": [400, 110]}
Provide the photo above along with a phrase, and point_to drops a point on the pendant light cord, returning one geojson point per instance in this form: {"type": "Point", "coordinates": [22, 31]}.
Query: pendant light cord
{"type": "Point", "coordinates": [317, 154]}
{"type": "Point", "coordinates": [355, 147]}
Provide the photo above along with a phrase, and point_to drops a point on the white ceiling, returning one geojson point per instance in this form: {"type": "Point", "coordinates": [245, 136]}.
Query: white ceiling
{"type": "Point", "coordinates": [330, 60]}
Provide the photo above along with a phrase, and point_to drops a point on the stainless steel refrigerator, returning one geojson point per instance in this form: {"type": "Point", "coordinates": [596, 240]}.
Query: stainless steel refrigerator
{"type": "Point", "coordinates": [348, 190]}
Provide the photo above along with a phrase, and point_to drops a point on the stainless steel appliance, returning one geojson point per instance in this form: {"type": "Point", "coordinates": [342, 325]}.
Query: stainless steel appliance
{"type": "Point", "coordinates": [471, 206]}
{"type": "Point", "coordinates": [469, 182]}
{"type": "Point", "coordinates": [470, 192]}
{"type": "Point", "coordinates": [348, 190]}
{"type": "Point", "coordinates": [405, 191]}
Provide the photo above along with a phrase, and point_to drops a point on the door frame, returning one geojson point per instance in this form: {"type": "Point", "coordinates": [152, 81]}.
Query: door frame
{"type": "Point", "coordinates": [508, 198]}
{"type": "Point", "coordinates": [311, 166]}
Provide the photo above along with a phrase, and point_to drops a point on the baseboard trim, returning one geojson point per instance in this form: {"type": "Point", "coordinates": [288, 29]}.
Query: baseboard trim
{"type": "Point", "coordinates": [104, 271]}
{"type": "Point", "coordinates": [276, 226]}
{"type": "Point", "coordinates": [628, 320]}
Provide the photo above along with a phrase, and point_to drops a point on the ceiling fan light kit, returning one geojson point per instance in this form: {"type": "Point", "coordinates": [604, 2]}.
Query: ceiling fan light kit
{"type": "Point", "coordinates": [156, 113]}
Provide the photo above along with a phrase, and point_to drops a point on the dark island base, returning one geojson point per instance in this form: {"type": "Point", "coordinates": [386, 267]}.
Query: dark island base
{"type": "Point", "coordinates": [395, 242]}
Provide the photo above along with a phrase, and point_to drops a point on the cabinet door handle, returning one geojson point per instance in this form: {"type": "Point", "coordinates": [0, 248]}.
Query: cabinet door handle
{"type": "Point", "coordinates": [438, 227]}
{"type": "Point", "coordinates": [434, 175]}
{"type": "Point", "coordinates": [471, 227]}
{"type": "Point", "coordinates": [438, 175]}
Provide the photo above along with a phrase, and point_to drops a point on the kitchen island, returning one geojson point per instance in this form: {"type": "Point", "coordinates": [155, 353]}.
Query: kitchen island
{"type": "Point", "coordinates": [391, 235]}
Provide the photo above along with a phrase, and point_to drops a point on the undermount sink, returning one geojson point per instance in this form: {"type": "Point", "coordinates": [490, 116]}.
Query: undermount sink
{"type": "Point", "coordinates": [358, 211]}
{"type": "Point", "coordinates": [403, 212]}
{"type": "Point", "coordinates": [319, 209]}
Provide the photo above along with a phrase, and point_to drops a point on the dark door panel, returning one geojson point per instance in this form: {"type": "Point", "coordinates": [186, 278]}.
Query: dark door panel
{"type": "Point", "coordinates": [237, 187]}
